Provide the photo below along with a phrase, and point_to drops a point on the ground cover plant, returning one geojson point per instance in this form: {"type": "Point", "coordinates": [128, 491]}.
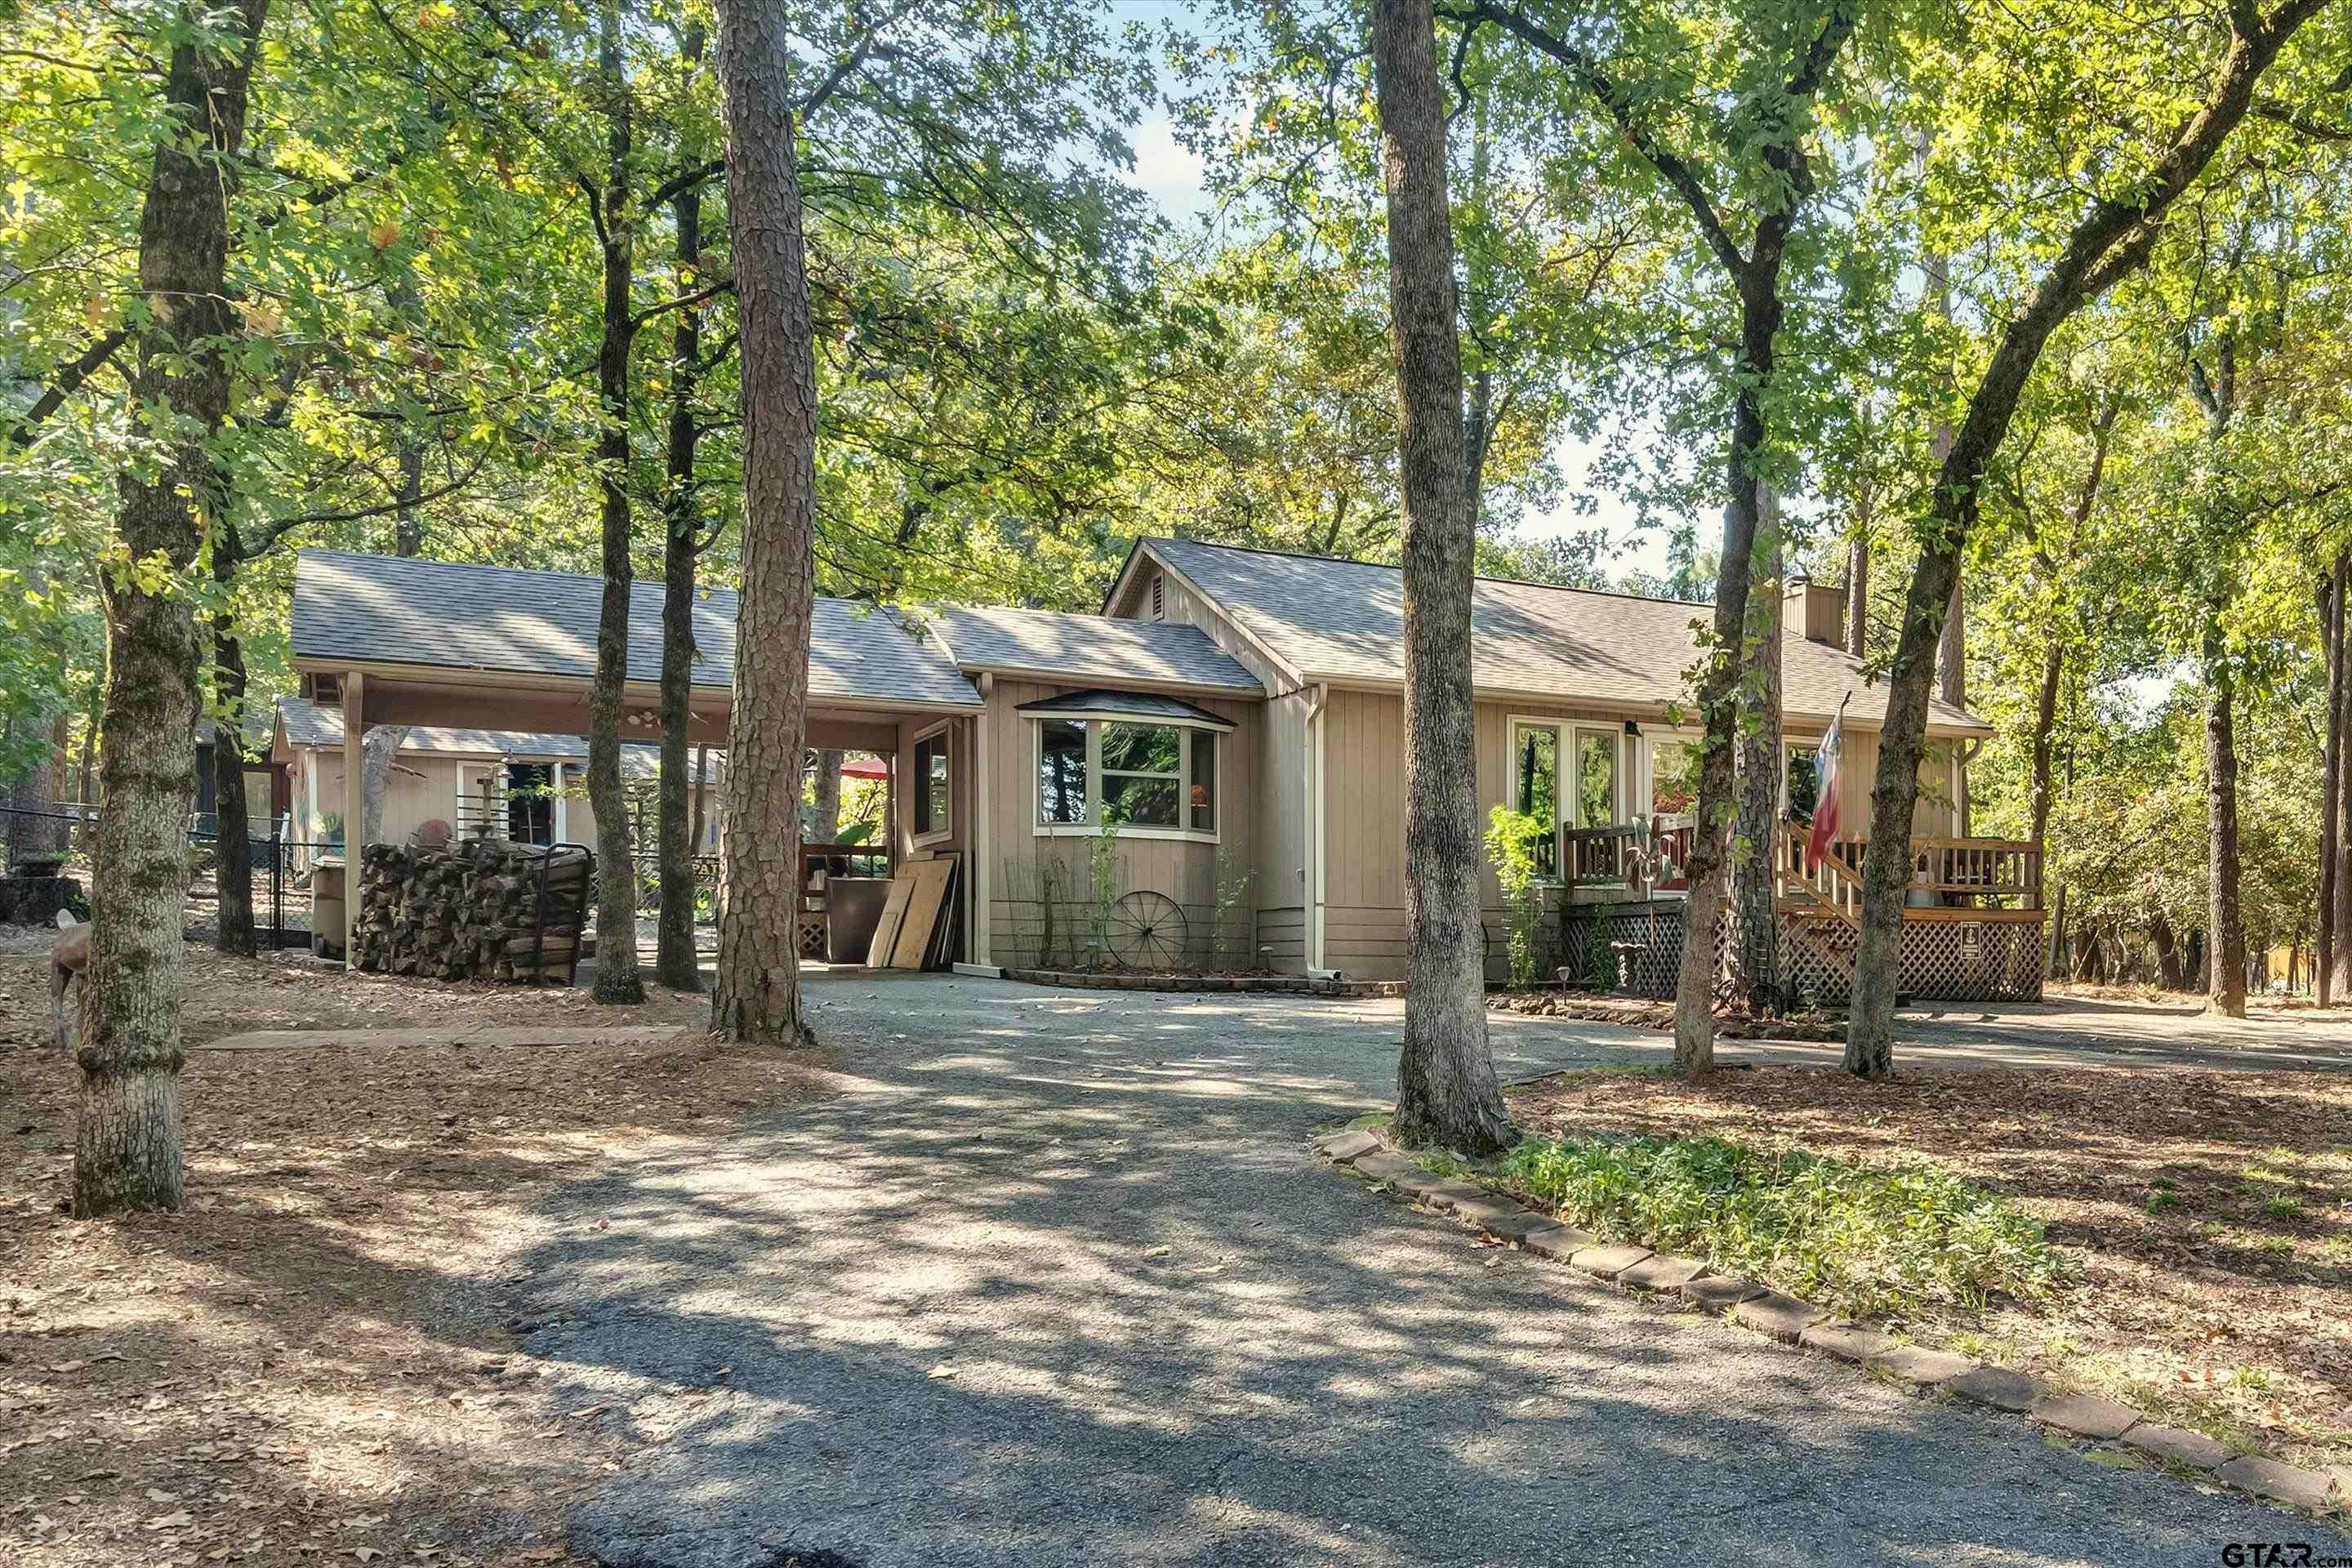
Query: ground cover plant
{"type": "Point", "coordinates": [2202, 1220]}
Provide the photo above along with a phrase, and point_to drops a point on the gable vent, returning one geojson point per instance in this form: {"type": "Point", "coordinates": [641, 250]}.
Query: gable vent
{"type": "Point", "coordinates": [1158, 608]}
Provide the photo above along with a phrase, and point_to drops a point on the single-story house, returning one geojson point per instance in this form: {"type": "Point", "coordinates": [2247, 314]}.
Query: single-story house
{"type": "Point", "coordinates": [1209, 772]}
{"type": "Point", "coordinates": [529, 786]}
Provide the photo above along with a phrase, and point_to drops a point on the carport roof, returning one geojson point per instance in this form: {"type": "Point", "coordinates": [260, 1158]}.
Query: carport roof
{"type": "Point", "coordinates": [308, 723]}
{"type": "Point", "coordinates": [373, 610]}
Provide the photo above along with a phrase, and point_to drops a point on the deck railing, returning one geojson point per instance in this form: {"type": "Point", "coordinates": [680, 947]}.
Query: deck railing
{"type": "Point", "coordinates": [1600, 856]}
{"type": "Point", "coordinates": [1947, 874]}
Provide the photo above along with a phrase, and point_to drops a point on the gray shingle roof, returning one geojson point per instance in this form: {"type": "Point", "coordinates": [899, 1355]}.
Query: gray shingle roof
{"type": "Point", "coordinates": [1088, 647]}
{"type": "Point", "coordinates": [1344, 620]}
{"type": "Point", "coordinates": [314, 724]}
{"type": "Point", "coordinates": [385, 609]}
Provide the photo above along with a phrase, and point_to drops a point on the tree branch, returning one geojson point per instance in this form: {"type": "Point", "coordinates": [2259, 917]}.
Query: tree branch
{"type": "Point", "coordinates": [91, 360]}
{"type": "Point", "coordinates": [1670, 165]}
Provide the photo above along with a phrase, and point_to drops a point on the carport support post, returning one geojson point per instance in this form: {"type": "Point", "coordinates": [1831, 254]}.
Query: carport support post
{"type": "Point", "coordinates": [354, 803]}
{"type": "Point", "coordinates": [983, 825]}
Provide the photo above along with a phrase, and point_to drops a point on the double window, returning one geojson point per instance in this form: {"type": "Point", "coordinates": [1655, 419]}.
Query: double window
{"type": "Point", "coordinates": [1566, 775]}
{"type": "Point", "coordinates": [1154, 776]}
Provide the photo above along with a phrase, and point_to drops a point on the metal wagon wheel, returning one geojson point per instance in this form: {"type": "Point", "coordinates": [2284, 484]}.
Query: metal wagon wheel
{"type": "Point", "coordinates": [1149, 931]}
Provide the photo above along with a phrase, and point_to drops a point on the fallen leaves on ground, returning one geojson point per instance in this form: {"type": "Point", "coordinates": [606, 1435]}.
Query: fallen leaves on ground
{"type": "Point", "coordinates": [2209, 1214]}
{"type": "Point", "coordinates": [312, 1362]}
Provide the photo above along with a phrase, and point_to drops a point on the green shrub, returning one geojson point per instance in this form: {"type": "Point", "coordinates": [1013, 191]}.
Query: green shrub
{"type": "Point", "coordinates": [1511, 839]}
{"type": "Point", "coordinates": [1871, 1242]}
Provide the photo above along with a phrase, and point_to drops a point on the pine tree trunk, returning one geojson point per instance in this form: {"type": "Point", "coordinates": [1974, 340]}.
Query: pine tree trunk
{"type": "Point", "coordinates": [826, 827]}
{"type": "Point", "coordinates": [1755, 914]}
{"type": "Point", "coordinates": [675, 961]}
{"type": "Point", "coordinates": [127, 1147]}
{"type": "Point", "coordinates": [233, 826]}
{"type": "Point", "coordinates": [1446, 1090]}
{"type": "Point", "coordinates": [757, 995]}
{"type": "Point", "coordinates": [617, 980]}
{"type": "Point", "coordinates": [381, 743]}
{"type": "Point", "coordinates": [2226, 933]}
{"type": "Point", "coordinates": [2331, 643]}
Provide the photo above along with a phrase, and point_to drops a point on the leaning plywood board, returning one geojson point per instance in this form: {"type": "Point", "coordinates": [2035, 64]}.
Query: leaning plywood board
{"type": "Point", "coordinates": [885, 931]}
{"type": "Point", "coordinates": [932, 880]}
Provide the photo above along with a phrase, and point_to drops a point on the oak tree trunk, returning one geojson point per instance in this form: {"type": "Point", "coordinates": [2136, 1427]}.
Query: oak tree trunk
{"type": "Point", "coordinates": [617, 980]}
{"type": "Point", "coordinates": [1755, 917]}
{"type": "Point", "coordinates": [2340, 808]}
{"type": "Point", "coordinates": [701, 796]}
{"type": "Point", "coordinates": [233, 826]}
{"type": "Point", "coordinates": [1446, 1090]}
{"type": "Point", "coordinates": [1719, 688]}
{"type": "Point", "coordinates": [2225, 931]}
{"type": "Point", "coordinates": [2114, 237]}
{"type": "Point", "coordinates": [1857, 588]}
{"type": "Point", "coordinates": [127, 1141]}
{"type": "Point", "coordinates": [757, 995]}
{"type": "Point", "coordinates": [2045, 727]}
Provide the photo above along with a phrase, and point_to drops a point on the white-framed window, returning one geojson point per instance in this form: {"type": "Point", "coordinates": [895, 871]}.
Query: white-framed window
{"type": "Point", "coordinates": [1597, 774]}
{"type": "Point", "coordinates": [1154, 777]}
{"type": "Point", "coordinates": [1535, 785]}
{"type": "Point", "coordinates": [1670, 774]}
{"type": "Point", "coordinates": [931, 780]}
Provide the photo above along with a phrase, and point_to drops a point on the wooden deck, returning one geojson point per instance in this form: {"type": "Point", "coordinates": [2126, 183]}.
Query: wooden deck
{"type": "Point", "coordinates": [1971, 928]}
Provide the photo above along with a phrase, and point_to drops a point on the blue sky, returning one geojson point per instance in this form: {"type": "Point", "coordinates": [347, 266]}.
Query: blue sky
{"type": "Point", "coordinates": [1171, 176]}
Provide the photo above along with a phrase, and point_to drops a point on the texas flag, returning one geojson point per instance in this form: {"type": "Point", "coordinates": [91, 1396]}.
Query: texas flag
{"type": "Point", "coordinates": [1825, 803]}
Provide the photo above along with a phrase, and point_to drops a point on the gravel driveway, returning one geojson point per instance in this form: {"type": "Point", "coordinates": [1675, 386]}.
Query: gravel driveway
{"type": "Point", "coordinates": [1059, 1281]}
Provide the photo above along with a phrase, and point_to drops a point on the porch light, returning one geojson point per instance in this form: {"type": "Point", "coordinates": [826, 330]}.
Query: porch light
{"type": "Point", "coordinates": [1631, 727]}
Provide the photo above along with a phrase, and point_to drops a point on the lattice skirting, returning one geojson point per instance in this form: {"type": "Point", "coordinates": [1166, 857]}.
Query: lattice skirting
{"type": "Point", "coordinates": [1948, 961]}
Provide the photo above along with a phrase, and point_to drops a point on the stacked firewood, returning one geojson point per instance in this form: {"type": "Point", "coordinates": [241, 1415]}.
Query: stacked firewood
{"type": "Point", "coordinates": [486, 909]}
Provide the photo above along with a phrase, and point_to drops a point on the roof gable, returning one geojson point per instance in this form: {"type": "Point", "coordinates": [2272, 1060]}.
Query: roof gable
{"type": "Point", "coordinates": [1344, 621]}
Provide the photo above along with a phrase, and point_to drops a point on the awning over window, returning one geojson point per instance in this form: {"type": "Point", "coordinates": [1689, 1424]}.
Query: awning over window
{"type": "Point", "coordinates": [1142, 707]}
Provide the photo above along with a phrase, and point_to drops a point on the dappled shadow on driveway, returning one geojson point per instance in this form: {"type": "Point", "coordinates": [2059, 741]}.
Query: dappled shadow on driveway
{"type": "Point", "coordinates": [1062, 1283]}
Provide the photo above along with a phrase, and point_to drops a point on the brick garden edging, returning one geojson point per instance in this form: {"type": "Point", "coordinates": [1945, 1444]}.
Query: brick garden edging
{"type": "Point", "coordinates": [1794, 1321]}
{"type": "Point", "coordinates": [1293, 985]}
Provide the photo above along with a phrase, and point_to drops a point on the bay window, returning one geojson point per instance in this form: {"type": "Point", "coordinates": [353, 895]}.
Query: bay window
{"type": "Point", "coordinates": [1151, 772]}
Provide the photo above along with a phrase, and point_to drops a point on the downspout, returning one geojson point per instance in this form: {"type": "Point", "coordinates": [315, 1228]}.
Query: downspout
{"type": "Point", "coordinates": [1314, 932]}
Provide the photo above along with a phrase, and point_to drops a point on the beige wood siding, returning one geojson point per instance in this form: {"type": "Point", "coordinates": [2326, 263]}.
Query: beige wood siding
{"type": "Point", "coordinates": [1028, 865]}
{"type": "Point", "coordinates": [1364, 910]}
{"type": "Point", "coordinates": [1278, 790]}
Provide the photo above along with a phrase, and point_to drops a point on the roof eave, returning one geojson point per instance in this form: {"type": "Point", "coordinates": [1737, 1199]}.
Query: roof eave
{"type": "Point", "coordinates": [1253, 692]}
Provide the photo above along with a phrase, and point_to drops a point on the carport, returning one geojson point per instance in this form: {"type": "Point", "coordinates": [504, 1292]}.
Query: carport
{"type": "Point", "coordinates": [394, 640]}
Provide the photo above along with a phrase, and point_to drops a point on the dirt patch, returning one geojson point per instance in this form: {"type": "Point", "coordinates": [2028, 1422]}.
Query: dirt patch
{"type": "Point", "coordinates": [319, 1361]}
{"type": "Point", "coordinates": [2209, 1216]}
